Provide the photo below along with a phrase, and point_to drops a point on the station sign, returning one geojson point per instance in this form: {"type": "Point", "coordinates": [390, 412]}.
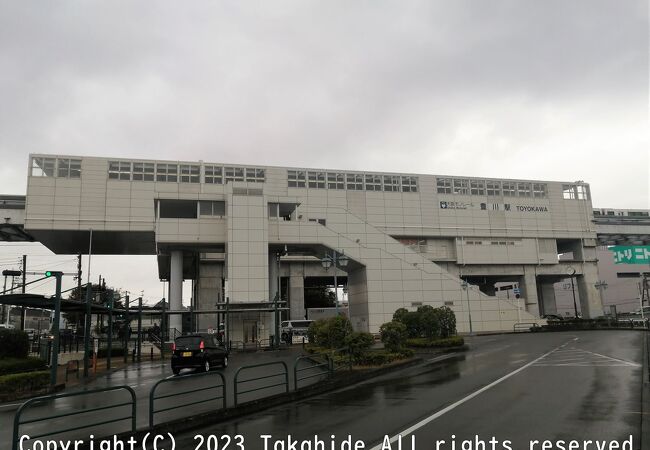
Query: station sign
{"type": "Point", "coordinates": [631, 254]}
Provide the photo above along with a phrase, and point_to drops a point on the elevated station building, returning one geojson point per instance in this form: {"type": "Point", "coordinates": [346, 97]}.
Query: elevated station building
{"type": "Point", "coordinates": [410, 239]}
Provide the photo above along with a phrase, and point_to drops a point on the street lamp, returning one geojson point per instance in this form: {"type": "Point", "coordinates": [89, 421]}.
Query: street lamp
{"type": "Point", "coordinates": [571, 272]}
{"type": "Point", "coordinates": [465, 287]}
{"type": "Point", "coordinates": [336, 259]}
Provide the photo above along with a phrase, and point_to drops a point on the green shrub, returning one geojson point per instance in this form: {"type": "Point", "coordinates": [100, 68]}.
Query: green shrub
{"type": "Point", "coordinates": [454, 341]}
{"type": "Point", "coordinates": [329, 333]}
{"type": "Point", "coordinates": [24, 382]}
{"type": "Point", "coordinates": [381, 357]}
{"type": "Point", "coordinates": [19, 365]}
{"type": "Point", "coordinates": [393, 335]}
{"type": "Point", "coordinates": [400, 315]}
{"type": "Point", "coordinates": [447, 321]}
{"type": "Point", "coordinates": [429, 319]}
{"type": "Point", "coordinates": [13, 344]}
{"type": "Point", "coordinates": [358, 344]}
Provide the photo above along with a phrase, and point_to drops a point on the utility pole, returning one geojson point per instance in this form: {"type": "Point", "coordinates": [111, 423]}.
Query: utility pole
{"type": "Point", "coordinates": [79, 287]}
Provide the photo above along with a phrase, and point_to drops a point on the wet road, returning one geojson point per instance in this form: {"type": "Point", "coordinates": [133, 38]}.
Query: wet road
{"type": "Point", "coordinates": [519, 388]}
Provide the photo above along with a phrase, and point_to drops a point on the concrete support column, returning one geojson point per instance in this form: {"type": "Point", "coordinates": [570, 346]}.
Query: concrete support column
{"type": "Point", "coordinates": [297, 291]}
{"type": "Point", "coordinates": [273, 276]}
{"type": "Point", "coordinates": [176, 289]}
{"type": "Point", "coordinates": [528, 288]}
{"type": "Point", "coordinates": [590, 303]}
{"type": "Point", "coordinates": [549, 305]}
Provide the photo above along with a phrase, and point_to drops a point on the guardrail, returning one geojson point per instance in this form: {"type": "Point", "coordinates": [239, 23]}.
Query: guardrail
{"type": "Point", "coordinates": [316, 365]}
{"type": "Point", "coordinates": [284, 374]}
{"type": "Point", "coordinates": [153, 398]}
{"type": "Point", "coordinates": [523, 326]}
{"type": "Point", "coordinates": [28, 403]}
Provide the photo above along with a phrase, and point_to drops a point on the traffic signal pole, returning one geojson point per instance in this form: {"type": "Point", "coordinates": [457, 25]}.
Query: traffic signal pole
{"type": "Point", "coordinates": [87, 331]}
{"type": "Point", "coordinates": [55, 327]}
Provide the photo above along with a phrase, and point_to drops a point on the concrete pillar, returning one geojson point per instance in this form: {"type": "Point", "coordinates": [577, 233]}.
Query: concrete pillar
{"type": "Point", "coordinates": [176, 289]}
{"type": "Point", "coordinates": [590, 303]}
{"type": "Point", "coordinates": [297, 291]}
{"type": "Point", "coordinates": [273, 276]}
{"type": "Point", "coordinates": [528, 287]}
{"type": "Point", "coordinates": [209, 293]}
{"type": "Point", "coordinates": [548, 303]}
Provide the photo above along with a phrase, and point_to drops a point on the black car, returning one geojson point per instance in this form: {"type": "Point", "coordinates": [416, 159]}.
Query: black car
{"type": "Point", "coordinates": [198, 351]}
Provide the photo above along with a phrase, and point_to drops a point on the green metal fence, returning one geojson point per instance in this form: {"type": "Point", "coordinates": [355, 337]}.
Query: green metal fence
{"type": "Point", "coordinates": [49, 398]}
{"type": "Point", "coordinates": [152, 394]}
{"type": "Point", "coordinates": [321, 363]}
{"type": "Point", "coordinates": [284, 374]}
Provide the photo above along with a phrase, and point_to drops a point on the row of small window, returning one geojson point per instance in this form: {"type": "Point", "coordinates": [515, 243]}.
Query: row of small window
{"type": "Point", "coordinates": [493, 188]}
{"type": "Point", "coordinates": [185, 173]}
{"type": "Point", "coordinates": [351, 181]}
{"type": "Point", "coordinates": [598, 212]}
{"type": "Point", "coordinates": [492, 242]}
{"type": "Point", "coordinates": [59, 167]}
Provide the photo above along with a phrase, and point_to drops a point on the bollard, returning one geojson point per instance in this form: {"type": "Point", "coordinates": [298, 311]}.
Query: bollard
{"type": "Point", "coordinates": [151, 353]}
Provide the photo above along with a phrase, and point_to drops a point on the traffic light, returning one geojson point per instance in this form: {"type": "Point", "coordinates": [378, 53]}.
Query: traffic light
{"type": "Point", "coordinates": [51, 273]}
{"type": "Point", "coordinates": [11, 273]}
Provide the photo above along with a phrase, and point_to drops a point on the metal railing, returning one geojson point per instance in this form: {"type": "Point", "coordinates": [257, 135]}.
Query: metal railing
{"type": "Point", "coordinates": [28, 403]}
{"type": "Point", "coordinates": [523, 326]}
{"type": "Point", "coordinates": [153, 398]}
{"type": "Point", "coordinates": [325, 362]}
{"type": "Point", "coordinates": [237, 381]}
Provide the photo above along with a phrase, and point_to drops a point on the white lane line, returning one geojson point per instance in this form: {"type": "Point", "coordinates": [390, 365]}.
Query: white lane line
{"type": "Point", "coordinates": [443, 411]}
{"type": "Point", "coordinates": [10, 405]}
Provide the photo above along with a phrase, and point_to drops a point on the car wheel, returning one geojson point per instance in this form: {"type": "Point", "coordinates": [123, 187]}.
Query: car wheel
{"type": "Point", "coordinates": [225, 362]}
{"type": "Point", "coordinates": [176, 371]}
{"type": "Point", "coordinates": [285, 337]}
{"type": "Point", "coordinates": [206, 366]}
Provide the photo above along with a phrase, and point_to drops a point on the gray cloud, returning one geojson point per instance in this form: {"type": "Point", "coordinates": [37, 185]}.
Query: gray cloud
{"type": "Point", "coordinates": [543, 90]}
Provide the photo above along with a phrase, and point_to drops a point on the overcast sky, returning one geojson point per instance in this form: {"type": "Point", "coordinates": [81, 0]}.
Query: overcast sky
{"type": "Point", "coordinates": [551, 90]}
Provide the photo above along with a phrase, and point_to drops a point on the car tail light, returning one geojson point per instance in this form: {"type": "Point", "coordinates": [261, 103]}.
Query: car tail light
{"type": "Point", "coordinates": [202, 345]}
{"type": "Point", "coordinates": [173, 346]}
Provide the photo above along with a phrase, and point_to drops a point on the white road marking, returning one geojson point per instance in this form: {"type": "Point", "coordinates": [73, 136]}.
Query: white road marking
{"type": "Point", "coordinates": [453, 406]}
{"type": "Point", "coordinates": [10, 405]}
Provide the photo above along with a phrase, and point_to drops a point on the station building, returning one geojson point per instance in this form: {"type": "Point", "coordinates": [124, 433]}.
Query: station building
{"type": "Point", "coordinates": [247, 235]}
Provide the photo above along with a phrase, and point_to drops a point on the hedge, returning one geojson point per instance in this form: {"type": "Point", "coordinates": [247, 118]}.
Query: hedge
{"type": "Point", "coordinates": [13, 343]}
{"type": "Point", "coordinates": [454, 341]}
{"type": "Point", "coordinates": [381, 357]}
{"type": "Point", "coordinates": [18, 365]}
{"type": "Point", "coordinates": [115, 351]}
{"type": "Point", "coordinates": [23, 382]}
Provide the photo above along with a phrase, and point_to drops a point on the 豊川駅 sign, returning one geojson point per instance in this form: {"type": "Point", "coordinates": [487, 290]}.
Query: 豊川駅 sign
{"type": "Point", "coordinates": [631, 254]}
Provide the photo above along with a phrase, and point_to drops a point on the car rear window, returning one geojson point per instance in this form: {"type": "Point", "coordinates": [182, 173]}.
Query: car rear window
{"type": "Point", "coordinates": [188, 341]}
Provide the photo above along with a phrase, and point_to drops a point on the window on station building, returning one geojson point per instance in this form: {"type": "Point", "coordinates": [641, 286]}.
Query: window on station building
{"type": "Point", "coordinates": [477, 187]}
{"type": "Point", "coordinates": [523, 190]}
{"type": "Point", "coordinates": [177, 209]}
{"type": "Point", "coordinates": [637, 214]}
{"type": "Point", "coordinates": [575, 192]}
{"type": "Point", "coordinates": [373, 182]}
{"type": "Point", "coordinates": [509, 189]}
{"type": "Point", "coordinates": [296, 178]}
{"type": "Point", "coordinates": [190, 173]}
{"type": "Point", "coordinates": [212, 208]}
{"type": "Point", "coordinates": [167, 172]}
{"type": "Point", "coordinates": [444, 185]}
{"type": "Point", "coordinates": [254, 175]}
{"type": "Point", "coordinates": [391, 183]}
{"type": "Point", "coordinates": [213, 174]}
{"type": "Point", "coordinates": [282, 211]}
{"type": "Point", "coordinates": [493, 188]}
{"type": "Point", "coordinates": [409, 184]}
{"type": "Point", "coordinates": [43, 167]}
{"type": "Point", "coordinates": [319, 221]}
{"type": "Point", "coordinates": [335, 180]}
{"type": "Point", "coordinates": [461, 186]}
{"type": "Point", "coordinates": [539, 190]}
{"type": "Point", "coordinates": [143, 171]}
{"type": "Point", "coordinates": [234, 174]}
{"type": "Point", "coordinates": [354, 182]}
{"type": "Point", "coordinates": [316, 180]}
{"type": "Point", "coordinates": [68, 168]}
{"type": "Point", "coordinates": [119, 170]}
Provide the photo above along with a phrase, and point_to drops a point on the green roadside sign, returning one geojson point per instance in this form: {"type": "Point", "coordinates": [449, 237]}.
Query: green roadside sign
{"type": "Point", "coordinates": [631, 254]}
